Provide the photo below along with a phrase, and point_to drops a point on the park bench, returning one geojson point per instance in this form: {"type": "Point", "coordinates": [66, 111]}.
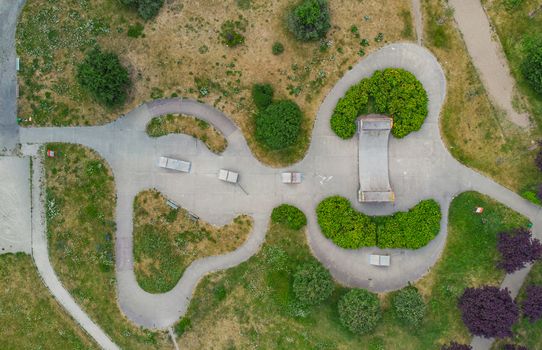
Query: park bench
{"type": "Point", "coordinates": [379, 260]}
{"type": "Point", "coordinates": [174, 164]}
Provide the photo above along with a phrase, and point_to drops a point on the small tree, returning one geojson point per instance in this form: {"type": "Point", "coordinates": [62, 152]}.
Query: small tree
{"type": "Point", "coordinates": [313, 283]}
{"type": "Point", "coordinates": [146, 9]}
{"type": "Point", "coordinates": [289, 216]}
{"type": "Point", "coordinates": [262, 95]}
{"type": "Point", "coordinates": [532, 64]}
{"type": "Point", "coordinates": [104, 77]}
{"type": "Point", "coordinates": [277, 48]}
{"type": "Point", "coordinates": [309, 20]}
{"type": "Point", "coordinates": [488, 311]}
{"type": "Point", "coordinates": [279, 125]}
{"type": "Point", "coordinates": [532, 304]}
{"type": "Point", "coordinates": [456, 346]}
{"type": "Point", "coordinates": [517, 248]}
{"type": "Point", "coordinates": [359, 311]}
{"type": "Point", "coordinates": [409, 306]}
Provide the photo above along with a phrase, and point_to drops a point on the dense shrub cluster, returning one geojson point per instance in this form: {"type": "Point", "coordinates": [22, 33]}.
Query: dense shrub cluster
{"type": "Point", "coordinates": [289, 216]}
{"type": "Point", "coordinates": [146, 9]}
{"type": "Point", "coordinates": [279, 125]}
{"type": "Point", "coordinates": [532, 305]}
{"type": "Point", "coordinates": [532, 64]}
{"type": "Point", "coordinates": [310, 20]}
{"type": "Point", "coordinates": [488, 312]}
{"type": "Point", "coordinates": [392, 91]}
{"type": "Point", "coordinates": [456, 346]}
{"type": "Point", "coordinates": [230, 33]}
{"type": "Point", "coordinates": [348, 228]}
{"type": "Point", "coordinates": [412, 229]}
{"type": "Point", "coordinates": [312, 283]}
{"type": "Point", "coordinates": [104, 77]}
{"type": "Point", "coordinates": [517, 248]}
{"type": "Point", "coordinates": [359, 311]}
{"type": "Point", "coordinates": [262, 95]}
{"type": "Point", "coordinates": [409, 306]}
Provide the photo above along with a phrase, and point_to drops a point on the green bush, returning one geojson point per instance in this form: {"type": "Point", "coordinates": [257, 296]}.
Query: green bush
{"type": "Point", "coordinates": [344, 225]}
{"type": "Point", "coordinates": [531, 66]}
{"type": "Point", "coordinates": [289, 216]}
{"type": "Point", "coordinates": [350, 229]}
{"type": "Point", "coordinates": [408, 306]}
{"type": "Point", "coordinates": [412, 229]}
{"type": "Point", "coordinates": [313, 283]}
{"type": "Point", "coordinates": [277, 48]}
{"type": "Point", "coordinates": [359, 311]}
{"type": "Point", "coordinates": [510, 5]}
{"type": "Point", "coordinates": [104, 77]}
{"type": "Point", "coordinates": [136, 30]}
{"type": "Point", "coordinates": [182, 326]}
{"type": "Point", "coordinates": [279, 125]}
{"type": "Point", "coordinates": [392, 91]}
{"type": "Point", "coordinates": [309, 20]}
{"type": "Point", "coordinates": [262, 95]}
{"type": "Point", "coordinates": [146, 9]}
{"type": "Point", "coordinates": [532, 197]}
{"type": "Point", "coordinates": [230, 33]}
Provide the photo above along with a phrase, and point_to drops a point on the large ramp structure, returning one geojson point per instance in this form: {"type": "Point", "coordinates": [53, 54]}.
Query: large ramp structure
{"type": "Point", "coordinates": [374, 180]}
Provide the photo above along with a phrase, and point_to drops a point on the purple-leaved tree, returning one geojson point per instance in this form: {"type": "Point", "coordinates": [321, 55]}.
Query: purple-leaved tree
{"type": "Point", "coordinates": [532, 304]}
{"type": "Point", "coordinates": [488, 312]}
{"type": "Point", "coordinates": [517, 248]}
{"type": "Point", "coordinates": [456, 346]}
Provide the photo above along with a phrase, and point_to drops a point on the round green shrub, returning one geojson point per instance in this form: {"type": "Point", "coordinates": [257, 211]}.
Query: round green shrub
{"type": "Point", "coordinates": [532, 64]}
{"type": "Point", "coordinates": [289, 216]}
{"type": "Point", "coordinates": [277, 48]}
{"type": "Point", "coordinates": [310, 20]}
{"type": "Point", "coordinates": [408, 306]}
{"type": "Point", "coordinates": [312, 283]}
{"type": "Point", "coordinates": [146, 9]}
{"type": "Point", "coordinates": [262, 95]}
{"type": "Point", "coordinates": [104, 77]}
{"type": "Point", "coordinates": [279, 125]}
{"type": "Point", "coordinates": [359, 311]}
{"type": "Point", "coordinates": [392, 91]}
{"type": "Point", "coordinates": [344, 225]}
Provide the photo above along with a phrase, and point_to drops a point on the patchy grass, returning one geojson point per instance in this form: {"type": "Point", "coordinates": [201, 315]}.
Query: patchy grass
{"type": "Point", "coordinates": [526, 333]}
{"type": "Point", "coordinates": [476, 133]}
{"type": "Point", "coordinates": [30, 316]}
{"type": "Point", "coordinates": [252, 305]}
{"type": "Point", "coordinates": [180, 53]}
{"type": "Point", "coordinates": [167, 241]}
{"type": "Point", "coordinates": [80, 204]}
{"type": "Point", "coordinates": [185, 124]}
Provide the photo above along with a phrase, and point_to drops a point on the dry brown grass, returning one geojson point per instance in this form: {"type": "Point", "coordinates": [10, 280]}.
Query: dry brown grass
{"type": "Point", "coordinates": [181, 54]}
{"type": "Point", "coordinates": [185, 124]}
{"type": "Point", "coordinates": [476, 133]}
{"type": "Point", "coordinates": [167, 241]}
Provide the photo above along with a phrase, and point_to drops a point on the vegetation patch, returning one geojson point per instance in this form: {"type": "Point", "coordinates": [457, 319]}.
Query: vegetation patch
{"type": "Point", "coordinates": [312, 283]}
{"type": "Point", "coordinates": [104, 77]}
{"type": "Point", "coordinates": [185, 124]}
{"type": "Point", "coordinates": [30, 317]}
{"type": "Point", "coordinates": [348, 228]}
{"type": "Point", "coordinates": [309, 20]}
{"type": "Point", "coordinates": [167, 241]}
{"type": "Point", "coordinates": [290, 216]}
{"type": "Point", "coordinates": [278, 126]}
{"type": "Point", "coordinates": [80, 206]}
{"type": "Point", "coordinates": [392, 91]}
{"type": "Point", "coordinates": [409, 306]}
{"type": "Point", "coordinates": [146, 9]}
{"type": "Point", "coordinates": [359, 311]}
{"type": "Point", "coordinates": [258, 309]}
{"type": "Point", "coordinates": [262, 95]}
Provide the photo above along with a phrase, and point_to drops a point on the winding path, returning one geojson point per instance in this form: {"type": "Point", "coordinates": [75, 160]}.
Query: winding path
{"type": "Point", "coordinates": [420, 168]}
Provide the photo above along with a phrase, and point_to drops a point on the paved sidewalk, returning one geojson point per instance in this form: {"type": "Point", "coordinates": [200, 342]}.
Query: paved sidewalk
{"type": "Point", "coordinates": [488, 56]}
{"type": "Point", "coordinates": [40, 254]}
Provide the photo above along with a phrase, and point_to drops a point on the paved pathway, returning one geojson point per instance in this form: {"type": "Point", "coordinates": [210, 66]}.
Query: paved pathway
{"type": "Point", "coordinates": [418, 20]}
{"type": "Point", "coordinates": [487, 56]}
{"type": "Point", "coordinates": [40, 254]}
{"type": "Point", "coordinates": [420, 168]}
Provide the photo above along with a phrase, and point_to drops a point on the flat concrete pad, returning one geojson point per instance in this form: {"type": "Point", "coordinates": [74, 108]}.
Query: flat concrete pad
{"type": "Point", "coordinates": [15, 226]}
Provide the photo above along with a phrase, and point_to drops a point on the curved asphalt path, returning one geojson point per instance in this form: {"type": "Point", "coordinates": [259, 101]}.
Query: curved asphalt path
{"type": "Point", "coordinates": [420, 168]}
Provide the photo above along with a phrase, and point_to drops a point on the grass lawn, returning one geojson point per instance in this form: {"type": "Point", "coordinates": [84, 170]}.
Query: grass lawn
{"type": "Point", "coordinates": [252, 305]}
{"type": "Point", "coordinates": [180, 53]}
{"type": "Point", "coordinates": [167, 241]}
{"type": "Point", "coordinates": [80, 196]}
{"type": "Point", "coordinates": [30, 317]}
{"type": "Point", "coordinates": [476, 133]}
{"type": "Point", "coordinates": [185, 124]}
{"type": "Point", "coordinates": [526, 333]}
